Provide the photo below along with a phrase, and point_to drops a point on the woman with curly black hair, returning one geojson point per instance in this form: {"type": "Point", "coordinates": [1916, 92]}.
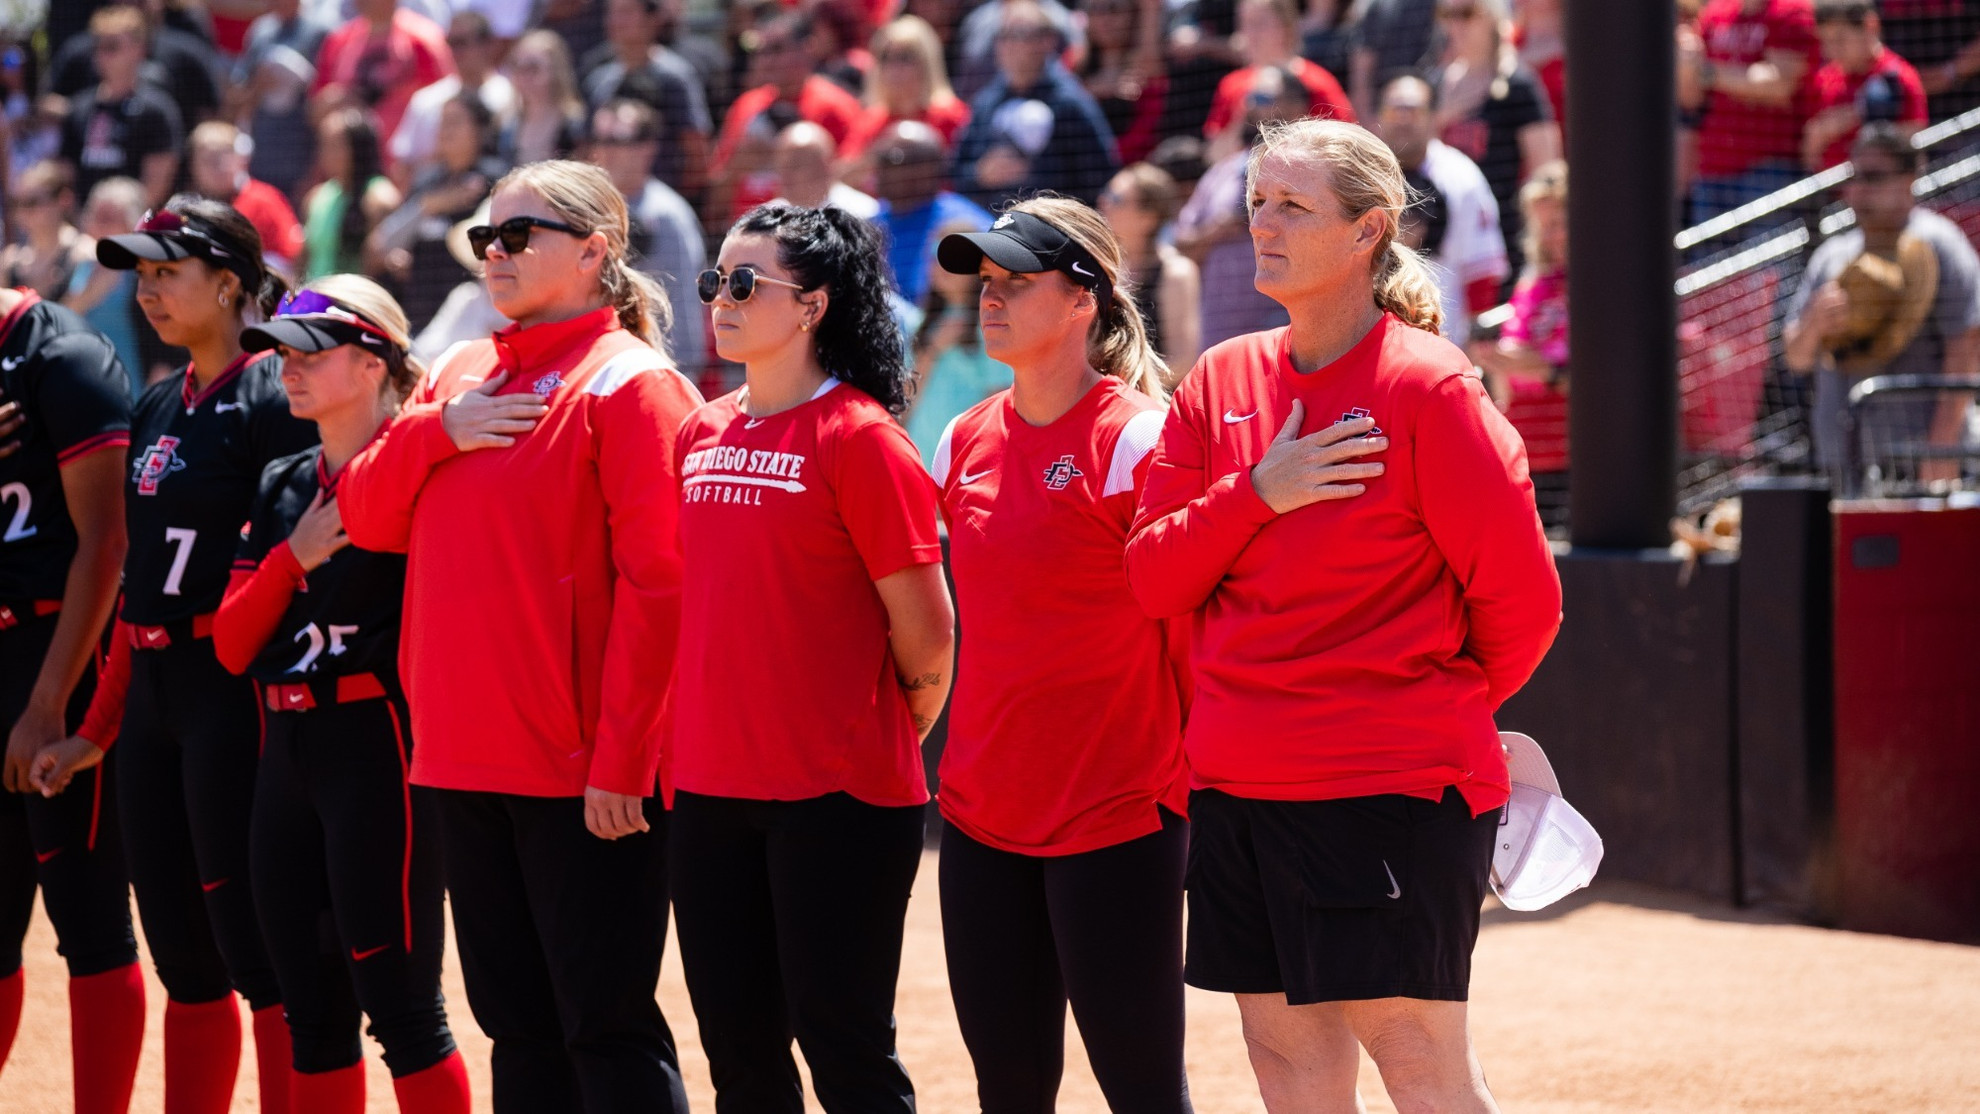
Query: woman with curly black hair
{"type": "Point", "coordinates": [813, 594]}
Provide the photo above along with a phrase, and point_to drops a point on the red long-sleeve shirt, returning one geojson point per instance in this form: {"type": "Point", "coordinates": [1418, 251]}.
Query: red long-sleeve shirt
{"type": "Point", "coordinates": [1354, 647]}
{"type": "Point", "coordinates": [543, 580]}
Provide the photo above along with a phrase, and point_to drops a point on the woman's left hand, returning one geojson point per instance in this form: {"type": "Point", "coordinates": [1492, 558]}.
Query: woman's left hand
{"type": "Point", "coordinates": [609, 815]}
{"type": "Point", "coordinates": [36, 728]}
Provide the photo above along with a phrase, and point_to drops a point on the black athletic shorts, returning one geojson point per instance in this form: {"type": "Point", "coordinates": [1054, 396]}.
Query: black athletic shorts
{"type": "Point", "coordinates": [1329, 901]}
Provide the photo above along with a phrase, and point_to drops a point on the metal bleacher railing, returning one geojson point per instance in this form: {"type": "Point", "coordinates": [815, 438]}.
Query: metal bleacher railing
{"type": "Point", "coordinates": [1741, 413]}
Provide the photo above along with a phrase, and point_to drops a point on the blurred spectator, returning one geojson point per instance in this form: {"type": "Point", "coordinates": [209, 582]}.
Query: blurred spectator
{"type": "Point", "coordinates": [1527, 369]}
{"type": "Point", "coordinates": [909, 81]}
{"type": "Point", "coordinates": [182, 65]}
{"type": "Point", "coordinates": [106, 298]}
{"type": "Point", "coordinates": [951, 371]}
{"type": "Point", "coordinates": [837, 44]}
{"type": "Point", "coordinates": [633, 63]}
{"type": "Point", "coordinates": [1394, 37]}
{"type": "Point", "coordinates": [1898, 294]}
{"type": "Point", "coordinates": [1214, 227]}
{"type": "Point", "coordinates": [1942, 39]}
{"type": "Point", "coordinates": [1327, 36]}
{"type": "Point", "coordinates": [122, 127]}
{"type": "Point", "coordinates": [665, 236]}
{"type": "Point", "coordinates": [1542, 49]}
{"type": "Point", "coordinates": [50, 248]}
{"type": "Point", "coordinates": [379, 59]}
{"type": "Point", "coordinates": [1690, 95]}
{"type": "Point", "coordinates": [786, 91]}
{"type": "Point", "coordinates": [909, 169]}
{"type": "Point", "coordinates": [982, 25]}
{"type": "Point", "coordinates": [945, 17]}
{"type": "Point", "coordinates": [1181, 158]}
{"type": "Point", "coordinates": [1469, 250]}
{"type": "Point", "coordinates": [506, 20]}
{"type": "Point", "coordinates": [1168, 288]}
{"type": "Point", "coordinates": [1122, 68]}
{"type": "Point", "coordinates": [580, 22]}
{"type": "Point", "coordinates": [269, 97]}
{"type": "Point", "coordinates": [33, 121]}
{"type": "Point", "coordinates": [354, 195]}
{"type": "Point", "coordinates": [1200, 49]}
{"type": "Point", "coordinates": [1860, 82]}
{"type": "Point", "coordinates": [806, 162]}
{"type": "Point", "coordinates": [476, 52]}
{"type": "Point", "coordinates": [410, 244]}
{"type": "Point", "coordinates": [1492, 108]}
{"type": "Point", "coordinates": [468, 313]}
{"type": "Point", "coordinates": [219, 154]}
{"type": "Point", "coordinates": [1035, 127]}
{"type": "Point", "coordinates": [1756, 55]}
{"type": "Point", "coordinates": [1270, 29]}
{"type": "Point", "coordinates": [549, 118]}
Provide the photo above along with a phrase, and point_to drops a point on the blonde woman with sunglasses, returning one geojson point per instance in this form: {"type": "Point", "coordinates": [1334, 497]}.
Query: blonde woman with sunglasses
{"type": "Point", "coordinates": [530, 480]}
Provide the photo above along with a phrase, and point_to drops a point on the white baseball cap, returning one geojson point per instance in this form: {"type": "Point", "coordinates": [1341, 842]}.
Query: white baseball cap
{"type": "Point", "coordinates": [1546, 850]}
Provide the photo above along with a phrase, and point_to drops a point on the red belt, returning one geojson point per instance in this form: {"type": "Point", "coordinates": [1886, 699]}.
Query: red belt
{"type": "Point", "coordinates": [303, 697]}
{"type": "Point", "coordinates": [159, 637]}
{"type": "Point", "coordinates": [10, 614]}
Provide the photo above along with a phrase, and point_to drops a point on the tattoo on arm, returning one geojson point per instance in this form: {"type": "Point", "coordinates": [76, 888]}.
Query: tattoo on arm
{"type": "Point", "coordinates": [922, 723]}
{"type": "Point", "coordinates": [925, 681]}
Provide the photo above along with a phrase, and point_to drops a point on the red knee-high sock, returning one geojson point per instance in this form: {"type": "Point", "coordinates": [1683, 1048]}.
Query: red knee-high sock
{"type": "Point", "coordinates": [202, 1055]}
{"type": "Point", "coordinates": [11, 989]}
{"type": "Point", "coordinates": [328, 1092]}
{"type": "Point", "coordinates": [106, 1033]}
{"type": "Point", "coordinates": [273, 1060]}
{"type": "Point", "coordinates": [440, 1089]}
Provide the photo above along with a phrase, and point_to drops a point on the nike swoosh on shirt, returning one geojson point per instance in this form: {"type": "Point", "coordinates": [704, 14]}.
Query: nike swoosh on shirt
{"type": "Point", "coordinates": [223, 407]}
{"type": "Point", "coordinates": [1397, 891]}
{"type": "Point", "coordinates": [209, 887]}
{"type": "Point", "coordinates": [361, 956]}
{"type": "Point", "coordinates": [1233, 419]}
{"type": "Point", "coordinates": [44, 856]}
{"type": "Point", "coordinates": [11, 362]}
{"type": "Point", "coordinates": [972, 477]}
{"type": "Point", "coordinates": [752, 423]}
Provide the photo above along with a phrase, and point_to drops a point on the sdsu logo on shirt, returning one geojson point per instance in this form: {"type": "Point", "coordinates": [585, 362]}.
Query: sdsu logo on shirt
{"type": "Point", "coordinates": [732, 474]}
{"type": "Point", "coordinates": [1061, 472]}
{"type": "Point", "coordinates": [548, 383]}
{"type": "Point", "coordinates": [155, 463]}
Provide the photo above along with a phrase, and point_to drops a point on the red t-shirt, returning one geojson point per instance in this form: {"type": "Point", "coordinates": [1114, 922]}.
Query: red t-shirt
{"type": "Point", "coordinates": [1325, 97]}
{"type": "Point", "coordinates": [788, 690]}
{"type": "Point", "coordinates": [821, 101]}
{"type": "Point", "coordinates": [1358, 646]}
{"type": "Point", "coordinates": [1538, 409]}
{"type": "Point", "coordinates": [383, 74]}
{"type": "Point", "coordinates": [1739, 134]}
{"type": "Point", "coordinates": [272, 216]}
{"type": "Point", "coordinates": [1065, 726]}
{"type": "Point", "coordinates": [947, 117]}
{"type": "Point", "coordinates": [1832, 88]}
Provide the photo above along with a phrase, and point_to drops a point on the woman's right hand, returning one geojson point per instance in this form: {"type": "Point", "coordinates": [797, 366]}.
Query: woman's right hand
{"type": "Point", "coordinates": [11, 420]}
{"type": "Point", "coordinates": [57, 763]}
{"type": "Point", "coordinates": [318, 533]}
{"type": "Point", "coordinates": [1318, 467]}
{"type": "Point", "coordinates": [480, 420]}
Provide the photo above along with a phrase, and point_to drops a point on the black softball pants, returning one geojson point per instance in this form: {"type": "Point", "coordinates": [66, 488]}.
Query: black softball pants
{"type": "Point", "coordinates": [561, 935]}
{"type": "Point", "coordinates": [790, 915]}
{"type": "Point", "coordinates": [346, 853]}
{"type": "Point", "coordinates": [1024, 934]}
{"type": "Point", "coordinates": [186, 758]}
{"type": "Point", "coordinates": [69, 846]}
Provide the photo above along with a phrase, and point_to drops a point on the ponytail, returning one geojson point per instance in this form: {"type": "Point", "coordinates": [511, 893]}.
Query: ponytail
{"type": "Point", "coordinates": [273, 288]}
{"type": "Point", "coordinates": [1405, 287]}
{"type": "Point", "coordinates": [642, 304]}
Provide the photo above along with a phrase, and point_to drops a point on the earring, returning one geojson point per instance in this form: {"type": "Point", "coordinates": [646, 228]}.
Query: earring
{"type": "Point", "coordinates": [223, 301]}
{"type": "Point", "coordinates": [804, 326]}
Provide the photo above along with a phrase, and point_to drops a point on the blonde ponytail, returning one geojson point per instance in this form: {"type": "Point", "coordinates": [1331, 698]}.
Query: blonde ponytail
{"type": "Point", "coordinates": [1405, 287]}
{"type": "Point", "coordinates": [642, 304]}
{"type": "Point", "coordinates": [1118, 343]}
{"type": "Point", "coordinates": [1362, 174]}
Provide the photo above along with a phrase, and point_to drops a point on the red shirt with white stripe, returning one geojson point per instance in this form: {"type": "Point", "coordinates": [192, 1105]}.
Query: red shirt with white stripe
{"type": "Point", "coordinates": [1065, 728]}
{"type": "Point", "coordinates": [542, 579]}
{"type": "Point", "coordinates": [788, 691]}
{"type": "Point", "coordinates": [1360, 646]}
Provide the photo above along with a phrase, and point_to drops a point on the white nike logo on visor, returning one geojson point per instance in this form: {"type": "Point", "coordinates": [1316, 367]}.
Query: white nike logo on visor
{"type": "Point", "coordinates": [1079, 270]}
{"type": "Point", "coordinates": [1233, 419]}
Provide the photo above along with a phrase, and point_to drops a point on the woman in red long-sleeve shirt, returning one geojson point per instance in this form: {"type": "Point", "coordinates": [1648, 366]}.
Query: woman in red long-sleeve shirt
{"type": "Point", "coordinates": [1365, 590]}
{"type": "Point", "coordinates": [530, 483]}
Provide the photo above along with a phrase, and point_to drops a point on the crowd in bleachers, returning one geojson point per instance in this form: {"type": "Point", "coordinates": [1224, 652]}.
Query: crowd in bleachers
{"type": "Point", "coordinates": [364, 135]}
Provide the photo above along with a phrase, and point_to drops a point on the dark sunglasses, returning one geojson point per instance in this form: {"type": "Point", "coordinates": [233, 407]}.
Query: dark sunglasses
{"type": "Point", "coordinates": [514, 234]}
{"type": "Point", "coordinates": [742, 283]}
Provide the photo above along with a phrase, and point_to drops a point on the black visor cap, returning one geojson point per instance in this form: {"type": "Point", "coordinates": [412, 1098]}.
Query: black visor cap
{"type": "Point", "coordinates": [309, 334]}
{"type": "Point", "coordinates": [1025, 244]}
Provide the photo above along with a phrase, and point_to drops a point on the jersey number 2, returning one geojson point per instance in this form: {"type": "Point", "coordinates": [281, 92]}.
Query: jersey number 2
{"type": "Point", "coordinates": [23, 501]}
{"type": "Point", "coordinates": [316, 644]}
{"type": "Point", "coordinates": [182, 538]}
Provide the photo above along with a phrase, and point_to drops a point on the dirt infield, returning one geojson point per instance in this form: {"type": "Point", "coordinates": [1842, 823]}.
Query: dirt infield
{"type": "Point", "coordinates": [1622, 1000]}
